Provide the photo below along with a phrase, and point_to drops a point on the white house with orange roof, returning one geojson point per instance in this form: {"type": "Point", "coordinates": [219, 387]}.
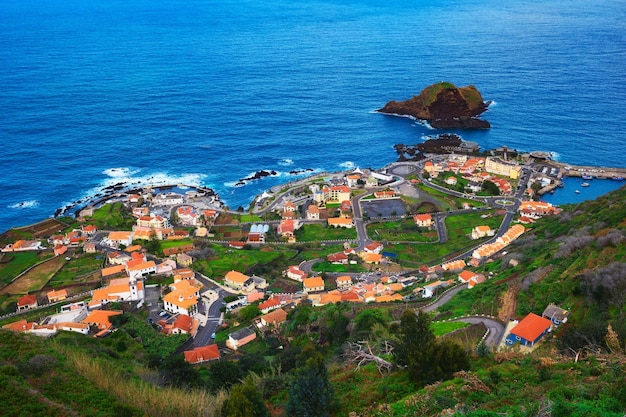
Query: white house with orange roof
{"type": "Point", "coordinates": [479, 232]}
{"type": "Point", "coordinates": [373, 247]}
{"type": "Point", "coordinates": [117, 239]}
{"type": "Point", "coordinates": [371, 257]}
{"type": "Point", "coordinates": [274, 318]}
{"type": "Point", "coordinates": [313, 284]}
{"type": "Point", "coordinates": [202, 354]}
{"type": "Point", "coordinates": [153, 222]}
{"type": "Point", "coordinates": [89, 229]}
{"type": "Point", "coordinates": [187, 216]}
{"type": "Point", "coordinates": [343, 282]}
{"type": "Point", "coordinates": [120, 289]}
{"type": "Point", "coordinates": [287, 228]}
{"type": "Point", "coordinates": [23, 245]}
{"type": "Point", "coordinates": [313, 212]}
{"type": "Point", "coordinates": [423, 220]}
{"type": "Point", "coordinates": [141, 269]}
{"type": "Point", "coordinates": [345, 222]}
{"type": "Point", "coordinates": [465, 276]}
{"type": "Point", "coordinates": [239, 281]}
{"type": "Point", "coordinates": [271, 304]}
{"type": "Point", "coordinates": [295, 273]}
{"type": "Point", "coordinates": [56, 296]}
{"type": "Point", "coordinates": [453, 265]}
{"type": "Point", "coordinates": [182, 299]}
{"type": "Point", "coordinates": [27, 302]}
{"type": "Point", "coordinates": [290, 207]}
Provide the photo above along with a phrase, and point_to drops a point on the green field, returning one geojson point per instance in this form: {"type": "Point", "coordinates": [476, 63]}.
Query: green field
{"type": "Point", "coordinates": [404, 231]}
{"type": "Point", "coordinates": [319, 232]}
{"type": "Point", "coordinates": [112, 217]}
{"type": "Point", "coordinates": [328, 267]}
{"type": "Point", "coordinates": [18, 263]}
{"type": "Point", "coordinates": [77, 270]}
{"type": "Point", "coordinates": [444, 327]}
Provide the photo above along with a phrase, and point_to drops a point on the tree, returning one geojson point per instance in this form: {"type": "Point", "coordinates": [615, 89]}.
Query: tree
{"type": "Point", "coordinates": [311, 395]}
{"type": "Point", "coordinates": [244, 400]}
{"type": "Point", "coordinates": [249, 312]}
{"type": "Point", "coordinates": [223, 374]}
{"type": "Point", "coordinates": [178, 372]}
{"type": "Point", "coordinates": [490, 188]}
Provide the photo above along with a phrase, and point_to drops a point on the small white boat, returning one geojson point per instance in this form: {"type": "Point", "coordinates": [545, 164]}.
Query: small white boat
{"type": "Point", "coordinates": [584, 184]}
{"type": "Point", "coordinates": [577, 192]}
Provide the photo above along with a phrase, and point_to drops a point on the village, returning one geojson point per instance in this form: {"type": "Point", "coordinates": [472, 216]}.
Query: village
{"type": "Point", "coordinates": [340, 215]}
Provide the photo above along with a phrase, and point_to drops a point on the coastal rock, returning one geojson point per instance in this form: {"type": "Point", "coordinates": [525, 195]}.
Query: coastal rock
{"type": "Point", "coordinates": [444, 106]}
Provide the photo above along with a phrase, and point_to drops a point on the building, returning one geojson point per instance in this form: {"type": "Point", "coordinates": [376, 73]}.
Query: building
{"type": "Point", "coordinates": [240, 338]}
{"type": "Point", "coordinates": [529, 330]}
{"type": "Point", "coordinates": [295, 273]}
{"type": "Point", "coordinates": [269, 305]}
{"type": "Point", "coordinates": [183, 299]}
{"type": "Point", "coordinates": [184, 259]}
{"type": "Point", "coordinates": [313, 284]}
{"type": "Point", "coordinates": [374, 247]}
{"type": "Point", "coordinates": [274, 318]}
{"type": "Point", "coordinates": [56, 296]}
{"type": "Point", "coordinates": [121, 289]}
{"type": "Point", "coordinates": [187, 216]}
{"type": "Point", "coordinates": [423, 220]}
{"type": "Point", "coordinates": [140, 269]}
{"type": "Point", "coordinates": [479, 232]}
{"type": "Point", "coordinates": [120, 238]}
{"type": "Point", "coordinates": [555, 314]}
{"type": "Point", "coordinates": [239, 281]}
{"type": "Point", "coordinates": [27, 302]}
{"type": "Point", "coordinates": [346, 222]}
{"type": "Point", "coordinates": [313, 212]}
{"type": "Point", "coordinates": [429, 290]}
{"type": "Point", "coordinates": [343, 282]}
{"type": "Point", "coordinates": [499, 167]}
{"type": "Point", "coordinates": [202, 354]}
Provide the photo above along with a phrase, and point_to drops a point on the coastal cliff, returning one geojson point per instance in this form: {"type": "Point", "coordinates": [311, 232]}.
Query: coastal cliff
{"type": "Point", "coordinates": [444, 106]}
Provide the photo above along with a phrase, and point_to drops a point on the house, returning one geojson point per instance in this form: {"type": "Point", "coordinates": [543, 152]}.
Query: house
{"type": "Point", "coordinates": [313, 212]}
{"type": "Point", "coordinates": [429, 290]}
{"type": "Point", "coordinates": [451, 180]}
{"type": "Point", "coordinates": [529, 330]}
{"type": "Point", "coordinates": [140, 269]}
{"type": "Point", "coordinates": [479, 232]}
{"type": "Point", "coordinates": [555, 314]}
{"type": "Point", "coordinates": [120, 238]}
{"type": "Point", "coordinates": [112, 270]}
{"type": "Point", "coordinates": [474, 186]}
{"type": "Point", "coordinates": [274, 318]}
{"type": "Point", "coordinates": [313, 284]}
{"type": "Point", "coordinates": [121, 289]}
{"type": "Point", "coordinates": [423, 220]}
{"type": "Point", "coordinates": [346, 222]}
{"type": "Point", "coordinates": [90, 247]}
{"type": "Point", "coordinates": [334, 194]}
{"type": "Point", "coordinates": [56, 296]}
{"type": "Point", "coordinates": [59, 250]}
{"type": "Point", "coordinates": [343, 282]}
{"type": "Point", "coordinates": [235, 244]}
{"type": "Point", "coordinates": [238, 281]}
{"type": "Point", "coordinates": [269, 305]}
{"type": "Point", "coordinates": [202, 354]}
{"type": "Point", "coordinates": [475, 280]}
{"type": "Point", "coordinates": [27, 302]}
{"type": "Point", "coordinates": [184, 324]}
{"type": "Point", "coordinates": [168, 199]}
{"type": "Point", "coordinates": [240, 338]}
{"type": "Point", "coordinates": [287, 228]}
{"type": "Point", "coordinates": [184, 259]}
{"type": "Point", "coordinates": [295, 273]}
{"type": "Point", "coordinates": [187, 216]}
{"type": "Point", "coordinates": [101, 320]}
{"type": "Point", "coordinates": [89, 229]}
{"type": "Point", "coordinates": [289, 206]}
{"type": "Point", "coordinates": [374, 247]}
{"type": "Point", "coordinates": [183, 299]}
{"type": "Point", "coordinates": [166, 267]}
{"type": "Point", "coordinates": [153, 222]}
{"type": "Point", "coordinates": [140, 211]}
{"type": "Point", "coordinates": [23, 245]}
{"type": "Point", "coordinates": [183, 273]}
{"type": "Point", "coordinates": [338, 258]}
{"type": "Point", "coordinates": [371, 257]}
{"type": "Point", "coordinates": [453, 265]}
{"type": "Point", "coordinates": [384, 194]}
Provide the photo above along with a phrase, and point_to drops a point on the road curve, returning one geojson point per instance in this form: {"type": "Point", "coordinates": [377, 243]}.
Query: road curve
{"type": "Point", "coordinates": [445, 297]}
{"type": "Point", "coordinates": [496, 329]}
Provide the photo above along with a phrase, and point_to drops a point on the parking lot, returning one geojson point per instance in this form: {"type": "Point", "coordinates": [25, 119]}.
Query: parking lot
{"type": "Point", "coordinates": [392, 207]}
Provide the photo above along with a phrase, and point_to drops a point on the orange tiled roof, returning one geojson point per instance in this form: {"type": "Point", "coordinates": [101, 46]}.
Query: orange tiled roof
{"type": "Point", "coordinates": [531, 326]}
{"type": "Point", "coordinates": [202, 354]}
{"type": "Point", "coordinates": [27, 300]}
{"type": "Point", "coordinates": [276, 316]}
{"type": "Point", "coordinates": [313, 282]}
{"type": "Point", "coordinates": [237, 277]}
{"type": "Point", "coordinates": [100, 318]}
{"type": "Point", "coordinates": [116, 269]}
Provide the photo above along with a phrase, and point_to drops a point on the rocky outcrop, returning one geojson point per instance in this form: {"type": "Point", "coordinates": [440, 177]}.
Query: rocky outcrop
{"type": "Point", "coordinates": [444, 106]}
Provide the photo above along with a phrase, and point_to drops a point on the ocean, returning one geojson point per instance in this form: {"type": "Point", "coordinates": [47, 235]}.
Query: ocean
{"type": "Point", "coordinates": [207, 92]}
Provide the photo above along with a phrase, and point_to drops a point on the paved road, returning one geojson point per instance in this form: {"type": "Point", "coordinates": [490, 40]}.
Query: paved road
{"type": "Point", "coordinates": [444, 298]}
{"type": "Point", "coordinates": [496, 329]}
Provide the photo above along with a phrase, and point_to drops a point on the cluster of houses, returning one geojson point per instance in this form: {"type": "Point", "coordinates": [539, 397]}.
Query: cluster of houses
{"type": "Point", "coordinates": [476, 170]}
{"type": "Point", "coordinates": [532, 210]}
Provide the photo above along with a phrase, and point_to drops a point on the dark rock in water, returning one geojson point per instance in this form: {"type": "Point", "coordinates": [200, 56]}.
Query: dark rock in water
{"type": "Point", "coordinates": [444, 106]}
{"type": "Point", "coordinates": [57, 212]}
{"type": "Point", "coordinates": [444, 143]}
{"type": "Point", "coordinates": [258, 175]}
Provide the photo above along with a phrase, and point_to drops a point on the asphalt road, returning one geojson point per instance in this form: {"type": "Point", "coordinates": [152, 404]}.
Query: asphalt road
{"type": "Point", "coordinates": [496, 329]}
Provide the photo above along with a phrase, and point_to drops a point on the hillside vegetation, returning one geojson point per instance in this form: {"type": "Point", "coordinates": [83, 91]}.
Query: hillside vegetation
{"type": "Point", "coordinates": [369, 361]}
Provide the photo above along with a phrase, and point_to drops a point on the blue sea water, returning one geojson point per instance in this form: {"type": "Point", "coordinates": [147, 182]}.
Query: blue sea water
{"type": "Point", "coordinates": [207, 92]}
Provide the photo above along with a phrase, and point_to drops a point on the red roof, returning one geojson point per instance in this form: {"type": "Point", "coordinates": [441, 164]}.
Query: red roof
{"type": "Point", "coordinates": [531, 327]}
{"type": "Point", "coordinates": [272, 302]}
{"type": "Point", "coordinates": [27, 300]}
{"type": "Point", "coordinates": [183, 322]}
{"type": "Point", "coordinates": [202, 354]}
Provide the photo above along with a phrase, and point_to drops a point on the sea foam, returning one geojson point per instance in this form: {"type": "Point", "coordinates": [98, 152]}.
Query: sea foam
{"type": "Point", "coordinates": [24, 204]}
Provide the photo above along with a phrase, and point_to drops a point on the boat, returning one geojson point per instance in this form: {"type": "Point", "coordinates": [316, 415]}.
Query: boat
{"type": "Point", "coordinates": [618, 178]}
{"type": "Point", "coordinates": [577, 192]}
{"type": "Point", "coordinates": [584, 184]}
{"type": "Point", "coordinates": [587, 177]}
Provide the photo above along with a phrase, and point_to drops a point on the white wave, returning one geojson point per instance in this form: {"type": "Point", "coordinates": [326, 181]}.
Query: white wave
{"type": "Point", "coordinates": [555, 156]}
{"type": "Point", "coordinates": [24, 204]}
{"type": "Point", "coordinates": [347, 164]}
{"type": "Point", "coordinates": [119, 172]}
{"type": "Point", "coordinates": [286, 162]}
{"type": "Point", "coordinates": [491, 103]}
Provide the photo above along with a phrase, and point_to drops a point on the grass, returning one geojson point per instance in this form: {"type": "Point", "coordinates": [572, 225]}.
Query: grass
{"type": "Point", "coordinates": [113, 216]}
{"type": "Point", "coordinates": [319, 233]}
{"type": "Point", "coordinates": [444, 327]}
{"type": "Point", "coordinates": [250, 218]}
{"type": "Point", "coordinates": [166, 244]}
{"type": "Point", "coordinates": [403, 231]}
{"type": "Point", "coordinates": [79, 269]}
{"type": "Point", "coordinates": [18, 263]}
{"type": "Point", "coordinates": [36, 278]}
{"type": "Point", "coordinates": [155, 343]}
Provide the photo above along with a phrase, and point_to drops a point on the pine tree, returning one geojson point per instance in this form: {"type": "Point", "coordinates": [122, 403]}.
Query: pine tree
{"type": "Point", "coordinates": [311, 395]}
{"type": "Point", "coordinates": [244, 400]}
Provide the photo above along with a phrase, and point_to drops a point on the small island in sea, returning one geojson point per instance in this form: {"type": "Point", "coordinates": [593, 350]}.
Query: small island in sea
{"type": "Point", "coordinates": [443, 106]}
